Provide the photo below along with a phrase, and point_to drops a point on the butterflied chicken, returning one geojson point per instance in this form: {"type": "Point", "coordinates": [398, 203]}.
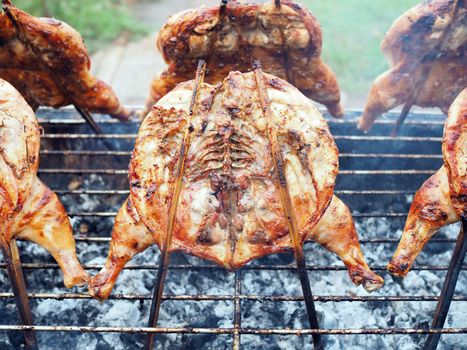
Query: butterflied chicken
{"type": "Point", "coordinates": [228, 207]}
{"type": "Point", "coordinates": [286, 38]}
{"type": "Point", "coordinates": [29, 209]}
{"type": "Point", "coordinates": [47, 62]}
{"type": "Point", "coordinates": [442, 199]}
{"type": "Point", "coordinates": [426, 48]}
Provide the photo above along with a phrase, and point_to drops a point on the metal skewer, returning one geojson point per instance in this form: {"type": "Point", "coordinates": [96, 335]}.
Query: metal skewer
{"type": "Point", "coordinates": [15, 272]}
{"type": "Point", "coordinates": [449, 287]}
{"type": "Point", "coordinates": [425, 73]}
{"type": "Point", "coordinates": [278, 3]}
{"type": "Point", "coordinates": [164, 259]}
{"type": "Point", "coordinates": [288, 208]}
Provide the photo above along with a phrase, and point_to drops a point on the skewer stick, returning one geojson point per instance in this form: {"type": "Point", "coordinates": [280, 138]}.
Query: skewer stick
{"type": "Point", "coordinates": [278, 3]}
{"type": "Point", "coordinates": [425, 73]}
{"type": "Point", "coordinates": [449, 287]}
{"type": "Point", "coordinates": [223, 7]}
{"type": "Point", "coordinates": [287, 206]}
{"type": "Point", "coordinates": [15, 272]}
{"type": "Point", "coordinates": [164, 259]}
{"type": "Point", "coordinates": [83, 112]}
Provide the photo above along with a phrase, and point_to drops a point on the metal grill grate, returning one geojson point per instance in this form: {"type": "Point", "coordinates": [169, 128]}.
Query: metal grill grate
{"type": "Point", "coordinates": [377, 174]}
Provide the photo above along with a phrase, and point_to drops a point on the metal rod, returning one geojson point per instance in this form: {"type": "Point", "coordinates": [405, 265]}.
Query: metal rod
{"type": "Point", "coordinates": [164, 259]}
{"type": "Point", "coordinates": [287, 206]}
{"type": "Point", "coordinates": [34, 266]}
{"type": "Point", "coordinates": [277, 3]}
{"type": "Point", "coordinates": [425, 72]}
{"type": "Point", "coordinates": [253, 331]}
{"type": "Point", "coordinates": [15, 272]}
{"type": "Point", "coordinates": [449, 286]}
{"type": "Point", "coordinates": [223, 8]}
{"type": "Point", "coordinates": [256, 298]}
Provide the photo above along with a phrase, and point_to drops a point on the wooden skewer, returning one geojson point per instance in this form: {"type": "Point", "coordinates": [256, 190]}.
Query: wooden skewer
{"type": "Point", "coordinates": [15, 272]}
{"type": "Point", "coordinates": [164, 259]}
{"type": "Point", "coordinates": [287, 205]}
{"type": "Point", "coordinates": [449, 287]}
{"type": "Point", "coordinates": [69, 97]}
{"type": "Point", "coordinates": [425, 73]}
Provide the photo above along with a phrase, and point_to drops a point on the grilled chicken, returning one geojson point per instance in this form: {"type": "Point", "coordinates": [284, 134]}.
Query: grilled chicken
{"type": "Point", "coordinates": [286, 38]}
{"type": "Point", "coordinates": [230, 208]}
{"type": "Point", "coordinates": [442, 199]}
{"type": "Point", "coordinates": [28, 209]}
{"type": "Point", "coordinates": [426, 48]}
{"type": "Point", "coordinates": [47, 62]}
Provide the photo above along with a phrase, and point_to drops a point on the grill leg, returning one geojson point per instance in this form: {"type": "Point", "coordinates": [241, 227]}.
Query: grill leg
{"type": "Point", "coordinates": [308, 296]}
{"type": "Point", "coordinates": [157, 297]}
{"type": "Point", "coordinates": [13, 263]}
{"type": "Point", "coordinates": [449, 287]}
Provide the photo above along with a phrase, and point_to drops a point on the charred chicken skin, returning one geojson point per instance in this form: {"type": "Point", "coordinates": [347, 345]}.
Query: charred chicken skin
{"type": "Point", "coordinates": [229, 209]}
{"type": "Point", "coordinates": [29, 209]}
{"type": "Point", "coordinates": [442, 199]}
{"type": "Point", "coordinates": [286, 38]}
{"type": "Point", "coordinates": [418, 69]}
{"type": "Point", "coordinates": [48, 63]}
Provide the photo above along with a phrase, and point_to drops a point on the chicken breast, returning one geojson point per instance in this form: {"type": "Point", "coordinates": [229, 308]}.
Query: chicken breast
{"type": "Point", "coordinates": [28, 209]}
{"type": "Point", "coordinates": [47, 62]}
{"type": "Point", "coordinates": [229, 207]}
{"type": "Point", "coordinates": [426, 49]}
{"type": "Point", "coordinates": [287, 40]}
{"type": "Point", "coordinates": [442, 199]}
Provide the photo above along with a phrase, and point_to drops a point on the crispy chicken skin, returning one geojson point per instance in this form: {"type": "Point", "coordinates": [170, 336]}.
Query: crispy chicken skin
{"type": "Point", "coordinates": [230, 210]}
{"type": "Point", "coordinates": [287, 40]}
{"type": "Point", "coordinates": [442, 198]}
{"type": "Point", "coordinates": [28, 209]}
{"type": "Point", "coordinates": [408, 45]}
{"type": "Point", "coordinates": [41, 57]}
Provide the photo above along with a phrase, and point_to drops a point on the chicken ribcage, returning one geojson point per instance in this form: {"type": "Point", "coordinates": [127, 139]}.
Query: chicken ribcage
{"type": "Point", "coordinates": [29, 209]}
{"type": "Point", "coordinates": [434, 77]}
{"type": "Point", "coordinates": [287, 40]}
{"type": "Point", "coordinates": [442, 199]}
{"type": "Point", "coordinates": [47, 62]}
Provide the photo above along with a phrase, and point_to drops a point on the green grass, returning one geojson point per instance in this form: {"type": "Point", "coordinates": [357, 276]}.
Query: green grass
{"type": "Point", "coordinates": [352, 33]}
{"type": "Point", "coordinates": [99, 21]}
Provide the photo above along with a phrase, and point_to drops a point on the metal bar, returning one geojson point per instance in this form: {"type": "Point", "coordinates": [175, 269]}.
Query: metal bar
{"type": "Point", "coordinates": [425, 71]}
{"type": "Point", "coordinates": [84, 153]}
{"type": "Point", "coordinates": [33, 266]}
{"type": "Point", "coordinates": [164, 259]}
{"type": "Point", "coordinates": [287, 205]}
{"type": "Point", "coordinates": [277, 3]}
{"type": "Point", "coordinates": [237, 311]}
{"type": "Point", "coordinates": [15, 272]}
{"type": "Point", "coordinates": [336, 137]}
{"type": "Point", "coordinates": [258, 298]}
{"type": "Point", "coordinates": [449, 286]}
{"type": "Point", "coordinates": [342, 172]}
{"type": "Point", "coordinates": [253, 331]}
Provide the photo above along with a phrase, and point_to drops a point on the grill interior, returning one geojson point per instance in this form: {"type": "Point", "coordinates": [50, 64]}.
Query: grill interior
{"type": "Point", "coordinates": [260, 305]}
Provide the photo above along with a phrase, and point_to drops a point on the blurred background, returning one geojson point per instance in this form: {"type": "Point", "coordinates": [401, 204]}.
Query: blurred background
{"type": "Point", "coordinates": [120, 34]}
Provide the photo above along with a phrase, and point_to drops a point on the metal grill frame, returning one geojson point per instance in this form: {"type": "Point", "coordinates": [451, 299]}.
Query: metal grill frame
{"type": "Point", "coordinates": [237, 297]}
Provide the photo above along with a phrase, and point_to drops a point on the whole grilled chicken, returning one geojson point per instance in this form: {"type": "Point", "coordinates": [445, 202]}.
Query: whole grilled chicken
{"type": "Point", "coordinates": [286, 38]}
{"type": "Point", "coordinates": [442, 199]}
{"type": "Point", "coordinates": [225, 203]}
{"type": "Point", "coordinates": [47, 62]}
{"type": "Point", "coordinates": [29, 209]}
{"type": "Point", "coordinates": [426, 48]}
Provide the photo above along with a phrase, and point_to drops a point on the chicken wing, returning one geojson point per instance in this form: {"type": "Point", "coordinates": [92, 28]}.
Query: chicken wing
{"type": "Point", "coordinates": [418, 69]}
{"type": "Point", "coordinates": [28, 209]}
{"type": "Point", "coordinates": [286, 38]}
{"type": "Point", "coordinates": [442, 199]}
{"type": "Point", "coordinates": [47, 62]}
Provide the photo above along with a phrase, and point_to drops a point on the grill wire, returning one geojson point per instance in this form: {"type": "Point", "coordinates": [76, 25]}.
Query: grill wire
{"type": "Point", "coordinates": [373, 166]}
